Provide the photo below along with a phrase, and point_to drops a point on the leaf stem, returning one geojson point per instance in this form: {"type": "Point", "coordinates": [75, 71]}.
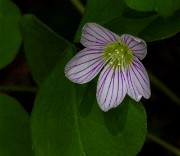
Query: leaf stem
{"type": "Point", "coordinates": [18, 89]}
{"type": "Point", "coordinates": [163, 143]}
{"type": "Point", "coordinates": [78, 5]}
{"type": "Point", "coordinates": [156, 82]}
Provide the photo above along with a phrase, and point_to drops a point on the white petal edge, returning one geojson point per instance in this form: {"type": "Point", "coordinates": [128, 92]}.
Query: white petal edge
{"type": "Point", "coordinates": [137, 45]}
{"type": "Point", "coordinates": [111, 88]}
{"type": "Point", "coordinates": [85, 65]}
{"type": "Point", "coordinates": [137, 81]}
{"type": "Point", "coordinates": [94, 35]}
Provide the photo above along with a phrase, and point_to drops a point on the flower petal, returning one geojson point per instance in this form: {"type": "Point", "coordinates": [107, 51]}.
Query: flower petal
{"type": "Point", "coordinates": [137, 45]}
{"type": "Point", "coordinates": [137, 81]}
{"type": "Point", "coordinates": [111, 88]}
{"type": "Point", "coordinates": [85, 65]}
{"type": "Point", "coordinates": [94, 35]}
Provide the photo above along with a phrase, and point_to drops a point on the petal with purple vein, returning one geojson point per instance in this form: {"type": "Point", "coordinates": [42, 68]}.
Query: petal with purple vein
{"type": "Point", "coordinates": [94, 35]}
{"type": "Point", "coordinates": [85, 65]}
{"type": "Point", "coordinates": [111, 88]}
{"type": "Point", "coordinates": [137, 45]}
{"type": "Point", "coordinates": [137, 81]}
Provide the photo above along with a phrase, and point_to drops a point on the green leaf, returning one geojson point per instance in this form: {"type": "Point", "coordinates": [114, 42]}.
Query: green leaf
{"type": "Point", "coordinates": [128, 25]}
{"type": "Point", "coordinates": [14, 128]}
{"type": "Point", "coordinates": [10, 36]}
{"type": "Point", "coordinates": [161, 28]}
{"type": "Point", "coordinates": [150, 27]}
{"type": "Point", "coordinates": [59, 126]}
{"type": "Point", "coordinates": [49, 137]}
{"type": "Point", "coordinates": [100, 11]}
{"type": "Point", "coordinates": [165, 8]}
{"type": "Point", "coordinates": [146, 25]}
{"type": "Point", "coordinates": [42, 46]}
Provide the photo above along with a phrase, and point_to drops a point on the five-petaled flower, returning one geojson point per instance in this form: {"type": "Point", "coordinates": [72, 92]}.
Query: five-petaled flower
{"type": "Point", "coordinates": [118, 58]}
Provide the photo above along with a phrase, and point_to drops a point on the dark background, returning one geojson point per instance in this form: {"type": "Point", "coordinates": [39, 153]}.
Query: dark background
{"type": "Point", "coordinates": [162, 60]}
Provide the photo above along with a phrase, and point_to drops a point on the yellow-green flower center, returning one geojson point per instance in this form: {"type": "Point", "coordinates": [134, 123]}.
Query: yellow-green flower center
{"type": "Point", "coordinates": [118, 54]}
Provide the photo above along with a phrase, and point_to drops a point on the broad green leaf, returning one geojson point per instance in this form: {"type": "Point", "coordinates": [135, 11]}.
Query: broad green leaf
{"type": "Point", "coordinates": [14, 128]}
{"type": "Point", "coordinates": [61, 126]}
{"type": "Point", "coordinates": [116, 131]}
{"type": "Point", "coordinates": [100, 11]}
{"type": "Point", "coordinates": [149, 28]}
{"type": "Point", "coordinates": [10, 36]}
{"type": "Point", "coordinates": [161, 28]}
{"type": "Point", "coordinates": [53, 128]}
{"type": "Point", "coordinates": [146, 25]}
{"type": "Point", "coordinates": [42, 46]}
{"type": "Point", "coordinates": [164, 7]}
{"type": "Point", "coordinates": [128, 25]}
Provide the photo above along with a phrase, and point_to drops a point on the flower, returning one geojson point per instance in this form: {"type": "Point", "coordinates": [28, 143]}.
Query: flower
{"type": "Point", "coordinates": [117, 57]}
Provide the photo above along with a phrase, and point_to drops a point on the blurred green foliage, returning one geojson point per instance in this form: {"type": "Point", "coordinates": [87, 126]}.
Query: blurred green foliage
{"type": "Point", "coordinates": [10, 35]}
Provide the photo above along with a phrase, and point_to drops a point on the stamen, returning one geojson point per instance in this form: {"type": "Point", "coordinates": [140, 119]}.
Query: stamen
{"type": "Point", "coordinates": [117, 51]}
{"type": "Point", "coordinates": [118, 54]}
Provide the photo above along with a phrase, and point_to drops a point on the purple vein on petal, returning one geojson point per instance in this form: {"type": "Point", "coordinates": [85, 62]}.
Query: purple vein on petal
{"type": "Point", "coordinates": [108, 91]}
{"type": "Point", "coordinates": [131, 86]}
{"type": "Point", "coordinates": [78, 57]}
{"type": "Point", "coordinates": [144, 77]}
{"type": "Point", "coordinates": [81, 63]}
{"type": "Point", "coordinates": [139, 66]}
{"type": "Point", "coordinates": [87, 66]}
{"type": "Point", "coordinates": [108, 34]}
{"type": "Point", "coordinates": [118, 73]}
{"type": "Point", "coordinates": [88, 40]}
{"type": "Point", "coordinates": [111, 92]}
{"type": "Point", "coordinates": [130, 40]}
{"type": "Point", "coordinates": [115, 88]}
{"type": "Point", "coordinates": [144, 90]}
{"type": "Point", "coordinates": [84, 76]}
{"type": "Point", "coordinates": [121, 91]}
{"type": "Point", "coordinates": [97, 33]}
{"type": "Point", "coordinates": [134, 44]}
{"type": "Point", "coordinates": [114, 36]}
{"type": "Point", "coordinates": [105, 74]}
{"type": "Point", "coordinates": [125, 38]}
{"type": "Point", "coordinates": [140, 50]}
{"type": "Point", "coordinates": [88, 74]}
{"type": "Point", "coordinates": [87, 33]}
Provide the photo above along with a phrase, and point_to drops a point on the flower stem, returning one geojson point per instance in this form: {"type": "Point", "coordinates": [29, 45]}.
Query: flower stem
{"type": "Point", "coordinates": [18, 89]}
{"type": "Point", "coordinates": [78, 5]}
{"type": "Point", "coordinates": [164, 89]}
{"type": "Point", "coordinates": [163, 144]}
